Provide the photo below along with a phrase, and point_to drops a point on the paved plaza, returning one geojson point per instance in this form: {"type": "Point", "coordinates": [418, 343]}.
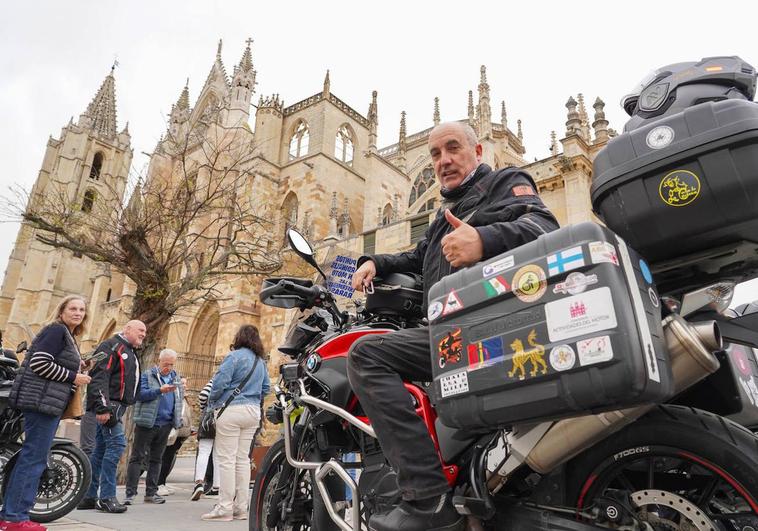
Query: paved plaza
{"type": "Point", "coordinates": [178, 513]}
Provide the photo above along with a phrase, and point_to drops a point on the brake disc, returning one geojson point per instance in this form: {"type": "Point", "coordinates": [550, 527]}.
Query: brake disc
{"type": "Point", "coordinates": [693, 518]}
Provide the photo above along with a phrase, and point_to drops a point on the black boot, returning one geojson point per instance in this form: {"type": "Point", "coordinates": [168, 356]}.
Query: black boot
{"type": "Point", "coordinates": [110, 505]}
{"type": "Point", "coordinates": [86, 503]}
{"type": "Point", "coordinates": [429, 514]}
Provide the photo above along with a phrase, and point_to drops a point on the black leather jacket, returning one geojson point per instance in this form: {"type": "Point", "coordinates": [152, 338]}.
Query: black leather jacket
{"type": "Point", "coordinates": [502, 205]}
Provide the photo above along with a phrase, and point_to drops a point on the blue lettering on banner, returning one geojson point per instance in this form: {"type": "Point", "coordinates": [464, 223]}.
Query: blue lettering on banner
{"type": "Point", "coordinates": [340, 276]}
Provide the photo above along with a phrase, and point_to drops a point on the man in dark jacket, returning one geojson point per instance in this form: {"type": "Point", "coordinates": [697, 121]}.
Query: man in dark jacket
{"type": "Point", "coordinates": [158, 409]}
{"type": "Point", "coordinates": [484, 213]}
{"type": "Point", "coordinates": [114, 386]}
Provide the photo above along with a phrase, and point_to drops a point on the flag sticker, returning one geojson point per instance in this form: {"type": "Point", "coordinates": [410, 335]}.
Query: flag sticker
{"type": "Point", "coordinates": [565, 260]}
{"type": "Point", "coordinates": [453, 304]}
{"type": "Point", "coordinates": [496, 286]}
{"type": "Point", "coordinates": [485, 353]}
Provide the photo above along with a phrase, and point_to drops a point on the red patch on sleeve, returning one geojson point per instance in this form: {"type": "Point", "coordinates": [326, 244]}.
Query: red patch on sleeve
{"type": "Point", "coordinates": [522, 189]}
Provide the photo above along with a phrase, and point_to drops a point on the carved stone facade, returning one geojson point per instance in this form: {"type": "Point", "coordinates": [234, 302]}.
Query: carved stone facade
{"type": "Point", "coordinates": [318, 168]}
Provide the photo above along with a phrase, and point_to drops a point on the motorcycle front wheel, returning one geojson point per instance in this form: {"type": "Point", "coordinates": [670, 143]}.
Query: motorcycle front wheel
{"type": "Point", "coordinates": [306, 507]}
{"type": "Point", "coordinates": [62, 486]}
{"type": "Point", "coordinates": [677, 468]}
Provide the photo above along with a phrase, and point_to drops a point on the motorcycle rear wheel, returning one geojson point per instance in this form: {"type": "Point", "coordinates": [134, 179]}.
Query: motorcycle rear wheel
{"type": "Point", "coordinates": [702, 459]}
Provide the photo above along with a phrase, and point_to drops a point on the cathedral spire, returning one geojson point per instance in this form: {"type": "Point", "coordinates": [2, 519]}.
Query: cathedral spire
{"type": "Point", "coordinates": [471, 119]}
{"type": "Point", "coordinates": [573, 122]}
{"type": "Point", "coordinates": [519, 133]}
{"type": "Point", "coordinates": [246, 63]}
{"type": "Point", "coordinates": [100, 115]}
{"type": "Point", "coordinates": [401, 146]}
{"type": "Point", "coordinates": [183, 101]}
{"type": "Point", "coordinates": [436, 116]}
{"type": "Point", "coordinates": [503, 115]}
{"type": "Point", "coordinates": [327, 85]}
{"type": "Point", "coordinates": [218, 72]}
{"type": "Point", "coordinates": [484, 110]}
{"type": "Point", "coordinates": [584, 118]}
{"type": "Point", "coordinates": [600, 125]}
{"type": "Point", "coordinates": [373, 122]}
{"type": "Point", "coordinates": [553, 144]}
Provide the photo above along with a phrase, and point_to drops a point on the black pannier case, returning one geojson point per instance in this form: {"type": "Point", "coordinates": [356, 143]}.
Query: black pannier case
{"type": "Point", "coordinates": [683, 191]}
{"type": "Point", "coordinates": [565, 325]}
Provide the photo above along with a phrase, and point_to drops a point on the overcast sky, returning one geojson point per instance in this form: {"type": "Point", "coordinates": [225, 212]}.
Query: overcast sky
{"type": "Point", "coordinates": [54, 55]}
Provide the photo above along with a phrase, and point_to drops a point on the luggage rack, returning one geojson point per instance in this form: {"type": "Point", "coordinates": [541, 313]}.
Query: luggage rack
{"type": "Point", "coordinates": [736, 262]}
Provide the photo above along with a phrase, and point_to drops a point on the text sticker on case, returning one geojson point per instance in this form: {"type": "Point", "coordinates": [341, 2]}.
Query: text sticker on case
{"type": "Point", "coordinates": [454, 384]}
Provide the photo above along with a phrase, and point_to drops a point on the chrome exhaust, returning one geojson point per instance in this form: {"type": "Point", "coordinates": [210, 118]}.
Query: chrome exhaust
{"type": "Point", "coordinates": [689, 348]}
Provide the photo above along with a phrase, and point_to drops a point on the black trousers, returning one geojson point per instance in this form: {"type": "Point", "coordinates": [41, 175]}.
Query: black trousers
{"type": "Point", "coordinates": [169, 459]}
{"type": "Point", "coordinates": [148, 447]}
{"type": "Point", "coordinates": [377, 366]}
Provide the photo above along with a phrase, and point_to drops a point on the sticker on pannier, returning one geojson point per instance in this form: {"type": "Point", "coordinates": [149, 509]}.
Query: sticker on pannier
{"type": "Point", "coordinates": [594, 350]}
{"type": "Point", "coordinates": [580, 314]}
{"type": "Point", "coordinates": [454, 384]}
{"type": "Point", "coordinates": [450, 348]}
{"type": "Point", "coordinates": [529, 283]}
{"type": "Point", "coordinates": [565, 260]}
{"type": "Point", "coordinates": [535, 356]}
{"type": "Point", "coordinates": [485, 353]}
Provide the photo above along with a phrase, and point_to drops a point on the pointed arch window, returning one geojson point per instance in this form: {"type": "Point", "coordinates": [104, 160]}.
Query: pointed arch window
{"type": "Point", "coordinates": [424, 180]}
{"type": "Point", "coordinates": [343, 147]}
{"type": "Point", "coordinates": [387, 214]}
{"type": "Point", "coordinates": [289, 211]}
{"type": "Point", "coordinates": [97, 166]}
{"type": "Point", "coordinates": [88, 201]}
{"type": "Point", "coordinates": [299, 141]}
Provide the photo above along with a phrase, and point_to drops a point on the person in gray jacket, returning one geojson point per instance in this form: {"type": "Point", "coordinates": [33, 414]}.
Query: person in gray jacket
{"type": "Point", "coordinates": [158, 410]}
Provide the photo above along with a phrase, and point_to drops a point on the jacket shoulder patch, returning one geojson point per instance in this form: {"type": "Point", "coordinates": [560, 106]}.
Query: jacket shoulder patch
{"type": "Point", "coordinates": [522, 189]}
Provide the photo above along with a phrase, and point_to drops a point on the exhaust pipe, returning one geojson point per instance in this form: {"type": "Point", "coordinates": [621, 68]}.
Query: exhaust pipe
{"type": "Point", "coordinates": [689, 348]}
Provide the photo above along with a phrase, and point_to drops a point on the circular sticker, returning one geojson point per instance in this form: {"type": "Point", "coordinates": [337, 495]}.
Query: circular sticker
{"type": "Point", "coordinates": [646, 274]}
{"type": "Point", "coordinates": [562, 357]}
{"type": "Point", "coordinates": [435, 310]}
{"type": "Point", "coordinates": [679, 188]}
{"type": "Point", "coordinates": [659, 137]}
{"type": "Point", "coordinates": [529, 283]}
{"type": "Point", "coordinates": [124, 355]}
{"type": "Point", "coordinates": [653, 297]}
{"type": "Point", "coordinates": [577, 282]}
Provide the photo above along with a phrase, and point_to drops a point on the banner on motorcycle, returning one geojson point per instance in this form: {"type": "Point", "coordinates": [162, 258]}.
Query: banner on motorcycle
{"type": "Point", "coordinates": [339, 265]}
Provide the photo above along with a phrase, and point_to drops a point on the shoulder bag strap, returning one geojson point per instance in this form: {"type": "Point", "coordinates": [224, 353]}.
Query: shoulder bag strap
{"type": "Point", "coordinates": [238, 389]}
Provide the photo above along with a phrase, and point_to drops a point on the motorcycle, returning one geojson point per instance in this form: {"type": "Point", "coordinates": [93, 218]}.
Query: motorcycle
{"type": "Point", "coordinates": [661, 466]}
{"type": "Point", "coordinates": [67, 476]}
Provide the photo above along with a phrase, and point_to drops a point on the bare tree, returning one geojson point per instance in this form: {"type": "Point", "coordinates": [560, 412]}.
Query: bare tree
{"type": "Point", "coordinates": [193, 223]}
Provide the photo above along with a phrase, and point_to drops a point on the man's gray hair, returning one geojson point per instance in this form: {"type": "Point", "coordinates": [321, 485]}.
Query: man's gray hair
{"type": "Point", "coordinates": [166, 352]}
{"type": "Point", "coordinates": [465, 128]}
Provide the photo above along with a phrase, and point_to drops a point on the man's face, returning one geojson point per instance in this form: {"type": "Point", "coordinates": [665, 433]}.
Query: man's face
{"type": "Point", "coordinates": [166, 365]}
{"type": "Point", "coordinates": [453, 155]}
{"type": "Point", "coordinates": [135, 333]}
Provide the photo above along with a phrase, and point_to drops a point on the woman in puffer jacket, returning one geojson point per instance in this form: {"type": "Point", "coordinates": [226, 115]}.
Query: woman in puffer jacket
{"type": "Point", "coordinates": [42, 389]}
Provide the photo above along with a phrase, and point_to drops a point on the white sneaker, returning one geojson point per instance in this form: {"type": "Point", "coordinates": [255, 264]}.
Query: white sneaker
{"type": "Point", "coordinates": [164, 490]}
{"type": "Point", "coordinates": [217, 515]}
{"type": "Point", "coordinates": [240, 514]}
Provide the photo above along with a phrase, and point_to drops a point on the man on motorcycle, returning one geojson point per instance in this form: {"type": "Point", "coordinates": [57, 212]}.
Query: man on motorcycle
{"type": "Point", "coordinates": [484, 213]}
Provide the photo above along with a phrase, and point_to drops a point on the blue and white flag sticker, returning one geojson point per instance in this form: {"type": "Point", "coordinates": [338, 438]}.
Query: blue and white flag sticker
{"type": "Point", "coordinates": [565, 260]}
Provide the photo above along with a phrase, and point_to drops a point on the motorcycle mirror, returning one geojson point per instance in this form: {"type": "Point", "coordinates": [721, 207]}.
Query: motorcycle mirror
{"type": "Point", "coordinates": [300, 245]}
{"type": "Point", "coordinates": [21, 347]}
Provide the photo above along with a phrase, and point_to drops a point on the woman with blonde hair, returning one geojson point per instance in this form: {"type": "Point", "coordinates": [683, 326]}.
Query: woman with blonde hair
{"type": "Point", "coordinates": [42, 389]}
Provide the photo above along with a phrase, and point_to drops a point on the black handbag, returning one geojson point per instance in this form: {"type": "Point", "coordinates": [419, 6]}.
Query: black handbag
{"type": "Point", "coordinates": [207, 429]}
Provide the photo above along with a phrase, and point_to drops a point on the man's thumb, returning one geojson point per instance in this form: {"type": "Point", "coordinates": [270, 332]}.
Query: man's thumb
{"type": "Point", "coordinates": [454, 222]}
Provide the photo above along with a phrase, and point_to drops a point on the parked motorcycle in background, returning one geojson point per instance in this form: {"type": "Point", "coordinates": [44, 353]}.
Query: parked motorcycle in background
{"type": "Point", "coordinates": [68, 474]}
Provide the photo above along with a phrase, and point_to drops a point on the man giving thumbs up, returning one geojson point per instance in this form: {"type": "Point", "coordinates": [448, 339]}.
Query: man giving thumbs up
{"type": "Point", "coordinates": [485, 213]}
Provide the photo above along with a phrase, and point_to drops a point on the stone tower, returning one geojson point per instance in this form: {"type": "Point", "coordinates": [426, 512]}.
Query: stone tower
{"type": "Point", "coordinates": [86, 165]}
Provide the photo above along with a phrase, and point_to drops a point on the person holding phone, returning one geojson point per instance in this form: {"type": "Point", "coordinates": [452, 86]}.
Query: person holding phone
{"type": "Point", "coordinates": [158, 410]}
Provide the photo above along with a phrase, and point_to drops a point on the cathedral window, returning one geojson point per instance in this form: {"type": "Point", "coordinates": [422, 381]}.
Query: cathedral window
{"type": "Point", "coordinates": [424, 180]}
{"type": "Point", "coordinates": [97, 166]}
{"type": "Point", "coordinates": [429, 205]}
{"type": "Point", "coordinates": [299, 142]}
{"type": "Point", "coordinates": [343, 147]}
{"type": "Point", "coordinates": [387, 214]}
{"type": "Point", "coordinates": [89, 200]}
{"type": "Point", "coordinates": [289, 211]}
